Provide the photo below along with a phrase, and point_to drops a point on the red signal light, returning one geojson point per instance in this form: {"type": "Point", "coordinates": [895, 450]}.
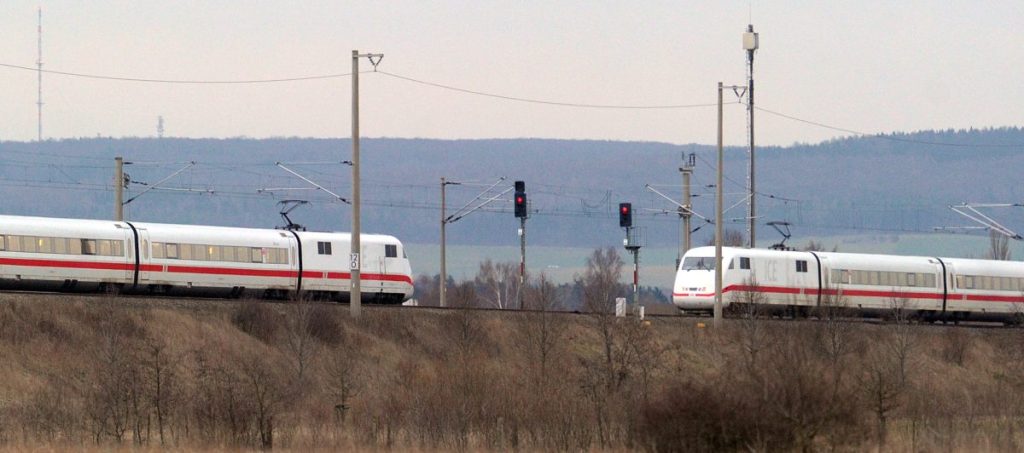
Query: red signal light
{"type": "Point", "coordinates": [626, 215]}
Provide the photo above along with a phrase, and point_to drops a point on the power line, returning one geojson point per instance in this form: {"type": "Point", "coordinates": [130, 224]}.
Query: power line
{"type": "Point", "coordinates": [547, 102]}
{"type": "Point", "coordinates": [180, 81]}
{"type": "Point", "coordinates": [887, 137]}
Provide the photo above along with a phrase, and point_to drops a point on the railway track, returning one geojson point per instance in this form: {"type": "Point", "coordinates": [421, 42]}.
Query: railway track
{"type": "Point", "coordinates": [218, 305]}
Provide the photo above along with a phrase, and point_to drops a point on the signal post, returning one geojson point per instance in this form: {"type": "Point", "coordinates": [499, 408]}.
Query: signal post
{"type": "Point", "coordinates": [519, 198]}
{"type": "Point", "coordinates": [632, 244]}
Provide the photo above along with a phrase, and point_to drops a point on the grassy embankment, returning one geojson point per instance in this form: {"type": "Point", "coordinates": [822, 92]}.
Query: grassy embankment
{"type": "Point", "coordinates": [102, 373]}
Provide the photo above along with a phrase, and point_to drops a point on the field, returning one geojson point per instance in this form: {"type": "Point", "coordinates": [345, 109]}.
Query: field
{"type": "Point", "coordinates": [108, 373]}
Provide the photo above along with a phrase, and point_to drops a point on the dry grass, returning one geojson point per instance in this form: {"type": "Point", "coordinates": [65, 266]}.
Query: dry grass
{"type": "Point", "coordinates": [107, 374]}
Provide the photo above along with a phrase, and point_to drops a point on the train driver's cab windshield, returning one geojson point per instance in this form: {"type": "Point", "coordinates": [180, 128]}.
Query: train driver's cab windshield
{"type": "Point", "coordinates": [699, 263]}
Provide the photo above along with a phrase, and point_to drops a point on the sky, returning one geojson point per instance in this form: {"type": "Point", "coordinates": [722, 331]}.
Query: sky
{"type": "Point", "coordinates": [868, 66]}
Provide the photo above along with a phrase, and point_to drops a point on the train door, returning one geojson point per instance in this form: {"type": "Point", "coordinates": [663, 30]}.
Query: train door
{"type": "Point", "coordinates": [129, 253]}
{"type": "Point", "coordinates": [144, 256]}
{"type": "Point", "coordinates": [825, 274]}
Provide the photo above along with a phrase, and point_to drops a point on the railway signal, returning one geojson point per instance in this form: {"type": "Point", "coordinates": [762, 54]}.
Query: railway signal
{"type": "Point", "coordinates": [521, 213]}
{"type": "Point", "coordinates": [520, 200]}
{"type": "Point", "coordinates": [625, 215]}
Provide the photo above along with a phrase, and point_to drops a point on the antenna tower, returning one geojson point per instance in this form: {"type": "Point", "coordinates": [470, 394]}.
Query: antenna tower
{"type": "Point", "coordinates": [39, 73]}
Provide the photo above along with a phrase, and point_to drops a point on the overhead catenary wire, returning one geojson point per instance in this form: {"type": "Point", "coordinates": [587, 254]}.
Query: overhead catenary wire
{"type": "Point", "coordinates": [490, 95]}
{"type": "Point", "coordinates": [888, 137]}
{"type": "Point", "coordinates": [180, 81]}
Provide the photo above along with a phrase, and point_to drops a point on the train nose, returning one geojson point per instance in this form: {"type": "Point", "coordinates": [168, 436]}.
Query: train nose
{"type": "Point", "coordinates": [693, 298]}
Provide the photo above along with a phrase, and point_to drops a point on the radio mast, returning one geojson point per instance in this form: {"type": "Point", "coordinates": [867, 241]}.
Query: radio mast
{"type": "Point", "coordinates": [39, 72]}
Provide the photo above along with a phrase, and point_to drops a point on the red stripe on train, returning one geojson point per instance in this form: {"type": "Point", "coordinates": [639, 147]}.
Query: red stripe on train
{"type": "Point", "coordinates": [195, 269]}
{"type": "Point", "coordinates": [859, 293]}
{"type": "Point", "coordinates": [67, 264]}
{"type": "Point", "coordinates": [384, 277]}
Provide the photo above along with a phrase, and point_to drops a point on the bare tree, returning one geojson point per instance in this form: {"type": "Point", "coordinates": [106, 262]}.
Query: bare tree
{"type": "Point", "coordinates": [902, 340]}
{"type": "Point", "coordinates": [600, 281]}
{"type": "Point", "coordinates": [298, 341]}
{"type": "Point", "coordinates": [814, 246]}
{"type": "Point", "coordinates": [817, 246]}
{"type": "Point", "coordinates": [730, 238]}
{"type": "Point", "coordinates": [882, 388]}
{"type": "Point", "coordinates": [833, 331]}
{"type": "Point", "coordinates": [600, 284]}
{"type": "Point", "coordinates": [542, 333]}
{"type": "Point", "coordinates": [265, 390]}
{"type": "Point", "coordinates": [499, 284]}
{"type": "Point", "coordinates": [998, 246]}
{"type": "Point", "coordinates": [753, 334]}
{"type": "Point", "coordinates": [343, 366]}
{"type": "Point", "coordinates": [427, 290]}
{"type": "Point", "coordinates": [463, 323]}
{"type": "Point", "coordinates": [159, 367]}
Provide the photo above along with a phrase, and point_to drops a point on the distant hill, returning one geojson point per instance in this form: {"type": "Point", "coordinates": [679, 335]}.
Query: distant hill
{"type": "Point", "coordinates": [897, 183]}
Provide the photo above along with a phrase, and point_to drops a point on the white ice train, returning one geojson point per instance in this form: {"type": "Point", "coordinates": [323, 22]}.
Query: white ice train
{"type": "Point", "coordinates": [931, 288]}
{"type": "Point", "coordinates": [133, 257]}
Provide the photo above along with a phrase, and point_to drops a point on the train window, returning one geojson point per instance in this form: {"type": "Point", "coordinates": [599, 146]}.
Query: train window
{"type": "Point", "coordinates": [182, 251]}
{"type": "Point", "coordinates": [744, 263]}
{"type": "Point", "coordinates": [45, 245]}
{"type": "Point", "coordinates": [277, 256]}
{"type": "Point", "coordinates": [28, 244]}
{"type": "Point", "coordinates": [3, 242]}
{"type": "Point", "coordinates": [390, 251]}
{"type": "Point", "coordinates": [104, 247]}
{"type": "Point", "coordinates": [214, 253]}
{"type": "Point", "coordinates": [911, 279]}
{"type": "Point", "coordinates": [403, 254]}
{"type": "Point", "coordinates": [256, 255]}
{"type": "Point", "coordinates": [702, 263]}
{"type": "Point", "coordinates": [172, 251]}
{"type": "Point", "coordinates": [60, 245]}
{"type": "Point", "coordinates": [227, 253]}
{"type": "Point", "coordinates": [323, 248]}
{"type": "Point", "coordinates": [88, 246]}
{"type": "Point", "coordinates": [158, 250]}
{"type": "Point", "coordinates": [198, 252]}
{"type": "Point", "coordinates": [801, 266]}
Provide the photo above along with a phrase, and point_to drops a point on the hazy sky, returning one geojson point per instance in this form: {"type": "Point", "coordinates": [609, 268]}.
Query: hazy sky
{"type": "Point", "coordinates": [871, 66]}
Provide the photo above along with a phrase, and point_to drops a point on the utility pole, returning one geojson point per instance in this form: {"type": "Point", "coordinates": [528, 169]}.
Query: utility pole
{"type": "Point", "coordinates": [118, 188]}
{"type": "Point", "coordinates": [444, 265]}
{"type": "Point", "coordinates": [39, 73]}
{"type": "Point", "coordinates": [685, 211]}
{"type": "Point", "coordinates": [718, 220]}
{"type": "Point", "coordinates": [750, 44]}
{"type": "Point", "coordinates": [355, 261]}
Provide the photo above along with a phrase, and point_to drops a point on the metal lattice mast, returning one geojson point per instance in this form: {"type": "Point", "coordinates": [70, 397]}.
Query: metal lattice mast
{"type": "Point", "coordinates": [750, 44]}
